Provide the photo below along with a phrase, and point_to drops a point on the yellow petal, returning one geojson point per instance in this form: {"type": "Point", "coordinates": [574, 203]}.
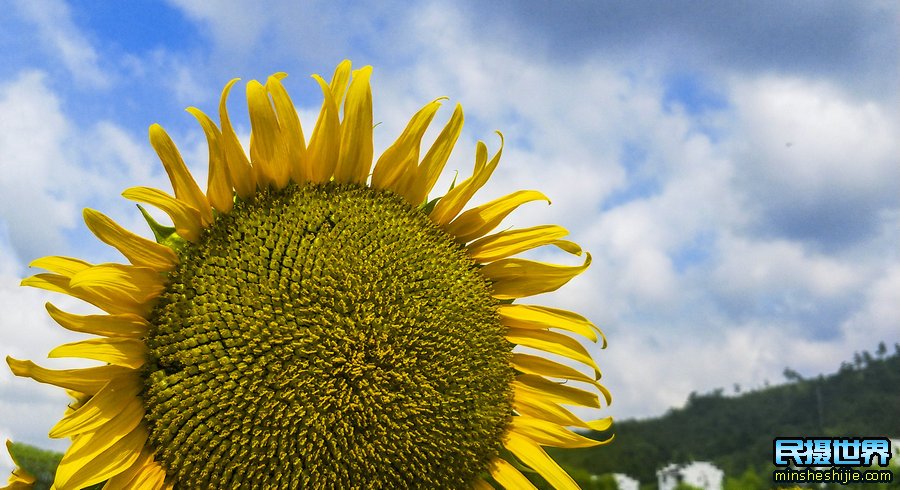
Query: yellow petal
{"type": "Point", "coordinates": [324, 144]}
{"type": "Point", "coordinates": [530, 364]}
{"type": "Point", "coordinates": [517, 278]}
{"type": "Point", "coordinates": [124, 352]}
{"type": "Point", "coordinates": [339, 80]}
{"type": "Point", "coordinates": [512, 242]}
{"type": "Point", "coordinates": [20, 479]}
{"type": "Point", "coordinates": [532, 455]}
{"type": "Point", "coordinates": [186, 218]}
{"type": "Point", "coordinates": [530, 404]}
{"type": "Point", "coordinates": [121, 325]}
{"type": "Point", "coordinates": [544, 317]}
{"type": "Point", "coordinates": [549, 434]}
{"type": "Point", "coordinates": [530, 385]}
{"type": "Point", "coordinates": [117, 282]}
{"type": "Point", "coordinates": [451, 204]}
{"type": "Point", "coordinates": [186, 188]}
{"type": "Point", "coordinates": [436, 157]}
{"type": "Point", "coordinates": [103, 458]}
{"type": "Point", "coordinates": [236, 160]}
{"type": "Point", "coordinates": [293, 141]}
{"type": "Point", "coordinates": [61, 284]}
{"type": "Point", "coordinates": [265, 155]}
{"type": "Point", "coordinates": [137, 249]}
{"type": "Point", "coordinates": [480, 484]}
{"type": "Point", "coordinates": [123, 479]}
{"type": "Point", "coordinates": [151, 476]}
{"type": "Point", "coordinates": [396, 167]}
{"type": "Point", "coordinates": [525, 403]}
{"type": "Point", "coordinates": [87, 380]}
{"type": "Point", "coordinates": [552, 342]}
{"type": "Point", "coordinates": [356, 131]}
{"type": "Point", "coordinates": [64, 266]}
{"type": "Point", "coordinates": [218, 183]}
{"type": "Point", "coordinates": [479, 221]}
{"type": "Point", "coordinates": [508, 476]}
{"type": "Point", "coordinates": [112, 399]}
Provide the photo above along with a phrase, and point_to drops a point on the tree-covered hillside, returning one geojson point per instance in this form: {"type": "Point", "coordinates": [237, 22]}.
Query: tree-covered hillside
{"type": "Point", "coordinates": [736, 432]}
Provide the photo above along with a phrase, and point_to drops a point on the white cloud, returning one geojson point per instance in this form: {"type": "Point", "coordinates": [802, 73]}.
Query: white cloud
{"type": "Point", "coordinates": [63, 40]}
{"type": "Point", "coordinates": [817, 164]}
{"type": "Point", "coordinates": [35, 164]}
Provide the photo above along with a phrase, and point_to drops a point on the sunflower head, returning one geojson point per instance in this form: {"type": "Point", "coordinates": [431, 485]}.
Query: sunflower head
{"type": "Point", "coordinates": [313, 321]}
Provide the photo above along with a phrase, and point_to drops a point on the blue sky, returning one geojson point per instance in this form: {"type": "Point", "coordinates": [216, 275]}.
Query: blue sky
{"type": "Point", "coordinates": [732, 168]}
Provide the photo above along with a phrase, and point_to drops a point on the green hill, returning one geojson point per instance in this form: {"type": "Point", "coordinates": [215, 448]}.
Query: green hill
{"type": "Point", "coordinates": [736, 432]}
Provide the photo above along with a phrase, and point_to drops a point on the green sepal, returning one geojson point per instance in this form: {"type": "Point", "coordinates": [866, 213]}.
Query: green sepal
{"type": "Point", "coordinates": [453, 184]}
{"type": "Point", "coordinates": [427, 207]}
{"type": "Point", "coordinates": [164, 235]}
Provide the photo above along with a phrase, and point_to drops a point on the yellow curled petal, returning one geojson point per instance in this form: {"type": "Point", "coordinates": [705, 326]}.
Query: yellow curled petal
{"type": "Point", "coordinates": [121, 325]}
{"type": "Point", "coordinates": [552, 342]}
{"type": "Point", "coordinates": [218, 183]}
{"type": "Point", "coordinates": [451, 204]}
{"type": "Point", "coordinates": [101, 408]}
{"type": "Point", "coordinates": [537, 459]}
{"type": "Point", "coordinates": [436, 157]}
{"type": "Point", "coordinates": [106, 453]}
{"type": "Point", "coordinates": [137, 249]}
{"type": "Point", "coordinates": [64, 266]}
{"type": "Point", "coordinates": [292, 139]}
{"type": "Point", "coordinates": [356, 151]}
{"type": "Point", "coordinates": [236, 160]}
{"type": "Point", "coordinates": [123, 352]}
{"type": "Point", "coordinates": [86, 380]}
{"type": "Point", "coordinates": [325, 142]}
{"type": "Point", "coordinates": [396, 167]}
{"type": "Point", "coordinates": [183, 183]}
{"type": "Point", "coordinates": [186, 218]}
{"type": "Point", "coordinates": [533, 385]}
{"type": "Point", "coordinates": [509, 243]}
{"type": "Point", "coordinates": [517, 278]}
{"type": "Point", "coordinates": [530, 364]}
{"type": "Point", "coordinates": [479, 221]}
{"type": "Point", "coordinates": [120, 282]}
{"type": "Point", "coordinates": [567, 246]}
{"type": "Point", "coordinates": [544, 317]}
{"type": "Point", "coordinates": [508, 476]}
{"type": "Point", "coordinates": [267, 160]}
{"type": "Point", "coordinates": [549, 434]}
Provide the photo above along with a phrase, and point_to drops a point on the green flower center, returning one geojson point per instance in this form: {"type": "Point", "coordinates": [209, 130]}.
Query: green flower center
{"type": "Point", "coordinates": [326, 336]}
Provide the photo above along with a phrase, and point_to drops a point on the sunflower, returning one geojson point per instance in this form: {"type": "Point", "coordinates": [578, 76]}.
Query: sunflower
{"type": "Point", "coordinates": [311, 321]}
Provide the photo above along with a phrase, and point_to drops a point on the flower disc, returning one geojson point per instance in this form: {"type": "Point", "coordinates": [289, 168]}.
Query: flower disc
{"type": "Point", "coordinates": [326, 336]}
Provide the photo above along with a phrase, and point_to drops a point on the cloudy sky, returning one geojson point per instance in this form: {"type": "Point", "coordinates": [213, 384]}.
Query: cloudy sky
{"type": "Point", "coordinates": [732, 166]}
